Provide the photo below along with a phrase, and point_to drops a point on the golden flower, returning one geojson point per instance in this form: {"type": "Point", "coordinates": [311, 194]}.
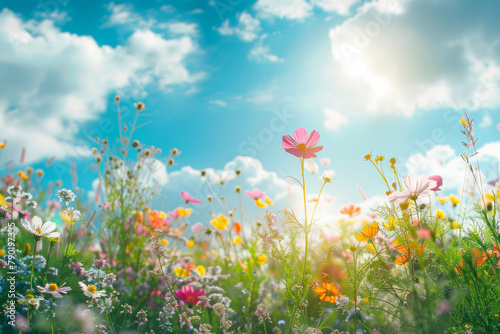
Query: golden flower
{"type": "Point", "coordinates": [440, 214]}
{"type": "Point", "coordinates": [454, 200]}
{"type": "Point", "coordinates": [261, 259]}
{"type": "Point", "coordinates": [220, 222]}
{"type": "Point", "coordinates": [22, 175]}
{"type": "Point", "coordinates": [201, 269]}
{"type": "Point", "coordinates": [328, 292]}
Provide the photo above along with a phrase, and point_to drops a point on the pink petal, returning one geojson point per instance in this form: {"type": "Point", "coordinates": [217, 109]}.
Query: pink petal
{"type": "Point", "coordinates": [288, 142]}
{"type": "Point", "coordinates": [300, 135]}
{"type": "Point", "coordinates": [296, 152]}
{"type": "Point", "coordinates": [313, 139]}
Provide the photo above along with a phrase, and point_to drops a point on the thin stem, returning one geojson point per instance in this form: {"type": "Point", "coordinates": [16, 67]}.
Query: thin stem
{"type": "Point", "coordinates": [33, 265]}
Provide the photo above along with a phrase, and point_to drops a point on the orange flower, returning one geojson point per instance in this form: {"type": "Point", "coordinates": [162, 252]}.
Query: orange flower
{"type": "Point", "coordinates": [480, 257]}
{"type": "Point", "coordinates": [403, 258]}
{"type": "Point", "coordinates": [458, 270]}
{"type": "Point", "coordinates": [157, 223]}
{"type": "Point", "coordinates": [368, 232]}
{"type": "Point", "coordinates": [236, 227]}
{"type": "Point", "coordinates": [328, 293]}
{"type": "Point", "coordinates": [350, 209]}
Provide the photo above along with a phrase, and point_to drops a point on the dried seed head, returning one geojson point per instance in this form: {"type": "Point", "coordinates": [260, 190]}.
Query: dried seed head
{"type": "Point", "coordinates": [139, 106]}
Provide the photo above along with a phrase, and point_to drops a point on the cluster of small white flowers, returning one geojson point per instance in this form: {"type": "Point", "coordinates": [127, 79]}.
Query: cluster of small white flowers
{"type": "Point", "coordinates": [342, 301]}
{"type": "Point", "coordinates": [17, 195]}
{"type": "Point", "coordinates": [66, 195]}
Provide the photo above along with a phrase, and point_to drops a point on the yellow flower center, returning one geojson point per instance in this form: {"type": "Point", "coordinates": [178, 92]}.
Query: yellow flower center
{"type": "Point", "coordinates": [302, 147]}
{"type": "Point", "coordinates": [191, 299]}
{"type": "Point", "coordinates": [53, 287]}
{"type": "Point", "coordinates": [29, 297]}
{"type": "Point", "coordinates": [39, 231]}
{"type": "Point", "coordinates": [91, 288]}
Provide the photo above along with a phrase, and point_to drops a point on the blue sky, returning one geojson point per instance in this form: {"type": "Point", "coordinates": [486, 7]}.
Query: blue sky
{"type": "Point", "coordinates": [391, 77]}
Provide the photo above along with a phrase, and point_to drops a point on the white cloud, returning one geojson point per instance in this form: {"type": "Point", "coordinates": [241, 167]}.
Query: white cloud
{"type": "Point", "coordinates": [167, 8]}
{"type": "Point", "coordinates": [58, 81]}
{"type": "Point", "coordinates": [487, 120]}
{"type": "Point", "coordinates": [182, 28]}
{"type": "Point", "coordinates": [253, 175]}
{"type": "Point", "coordinates": [407, 55]}
{"type": "Point", "coordinates": [262, 53]}
{"type": "Point", "coordinates": [57, 16]}
{"type": "Point", "coordinates": [445, 161]}
{"type": "Point", "coordinates": [196, 11]}
{"type": "Point", "coordinates": [248, 28]}
{"type": "Point", "coordinates": [339, 6]}
{"type": "Point", "coordinates": [284, 9]}
{"type": "Point", "coordinates": [122, 14]}
{"type": "Point", "coordinates": [219, 103]}
{"type": "Point", "coordinates": [334, 120]}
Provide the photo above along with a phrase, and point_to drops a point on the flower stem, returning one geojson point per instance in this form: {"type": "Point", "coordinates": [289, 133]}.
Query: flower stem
{"type": "Point", "coordinates": [33, 266]}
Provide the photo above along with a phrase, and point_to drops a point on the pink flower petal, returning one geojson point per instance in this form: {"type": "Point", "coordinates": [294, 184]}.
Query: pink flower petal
{"type": "Point", "coordinates": [288, 142]}
{"type": "Point", "coordinates": [300, 136]}
{"type": "Point", "coordinates": [313, 139]}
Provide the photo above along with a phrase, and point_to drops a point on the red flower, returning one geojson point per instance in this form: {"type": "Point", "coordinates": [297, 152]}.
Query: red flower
{"type": "Point", "coordinates": [189, 294]}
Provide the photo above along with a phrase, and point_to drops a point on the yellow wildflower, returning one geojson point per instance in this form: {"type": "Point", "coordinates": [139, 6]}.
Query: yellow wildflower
{"type": "Point", "coordinates": [201, 269]}
{"type": "Point", "coordinates": [260, 203]}
{"type": "Point", "coordinates": [440, 214]}
{"type": "Point", "coordinates": [454, 200]}
{"type": "Point", "coordinates": [184, 212]}
{"type": "Point", "coordinates": [442, 200]}
{"type": "Point", "coordinates": [261, 259]}
{"type": "Point", "coordinates": [221, 222]}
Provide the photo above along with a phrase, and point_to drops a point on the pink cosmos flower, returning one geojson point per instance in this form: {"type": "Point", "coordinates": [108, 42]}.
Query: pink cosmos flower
{"type": "Point", "coordinates": [197, 227]}
{"type": "Point", "coordinates": [189, 294]}
{"type": "Point", "coordinates": [301, 145]}
{"type": "Point", "coordinates": [54, 290]}
{"type": "Point", "coordinates": [188, 198]}
{"type": "Point", "coordinates": [255, 194]}
{"type": "Point", "coordinates": [439, 182]}
{"type": "Point", "coordinates": [424, 233]}
{"type": "Point", "coordinates": [173, 214]}
{"type": "Point", "coordinates": [414, 188]}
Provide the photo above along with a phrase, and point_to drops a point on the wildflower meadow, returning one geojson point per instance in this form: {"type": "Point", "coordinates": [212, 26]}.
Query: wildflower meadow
{"type": "Point", "coordinates": [250, 166]}
{"type": "Point", "coordinates": [421, 262]}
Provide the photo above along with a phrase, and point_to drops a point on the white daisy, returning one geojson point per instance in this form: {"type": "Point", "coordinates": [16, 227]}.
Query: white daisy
{"type": "Point", "coordinates": [39, 229]}
{"type": "Point", "coordinates": [91, 290]}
